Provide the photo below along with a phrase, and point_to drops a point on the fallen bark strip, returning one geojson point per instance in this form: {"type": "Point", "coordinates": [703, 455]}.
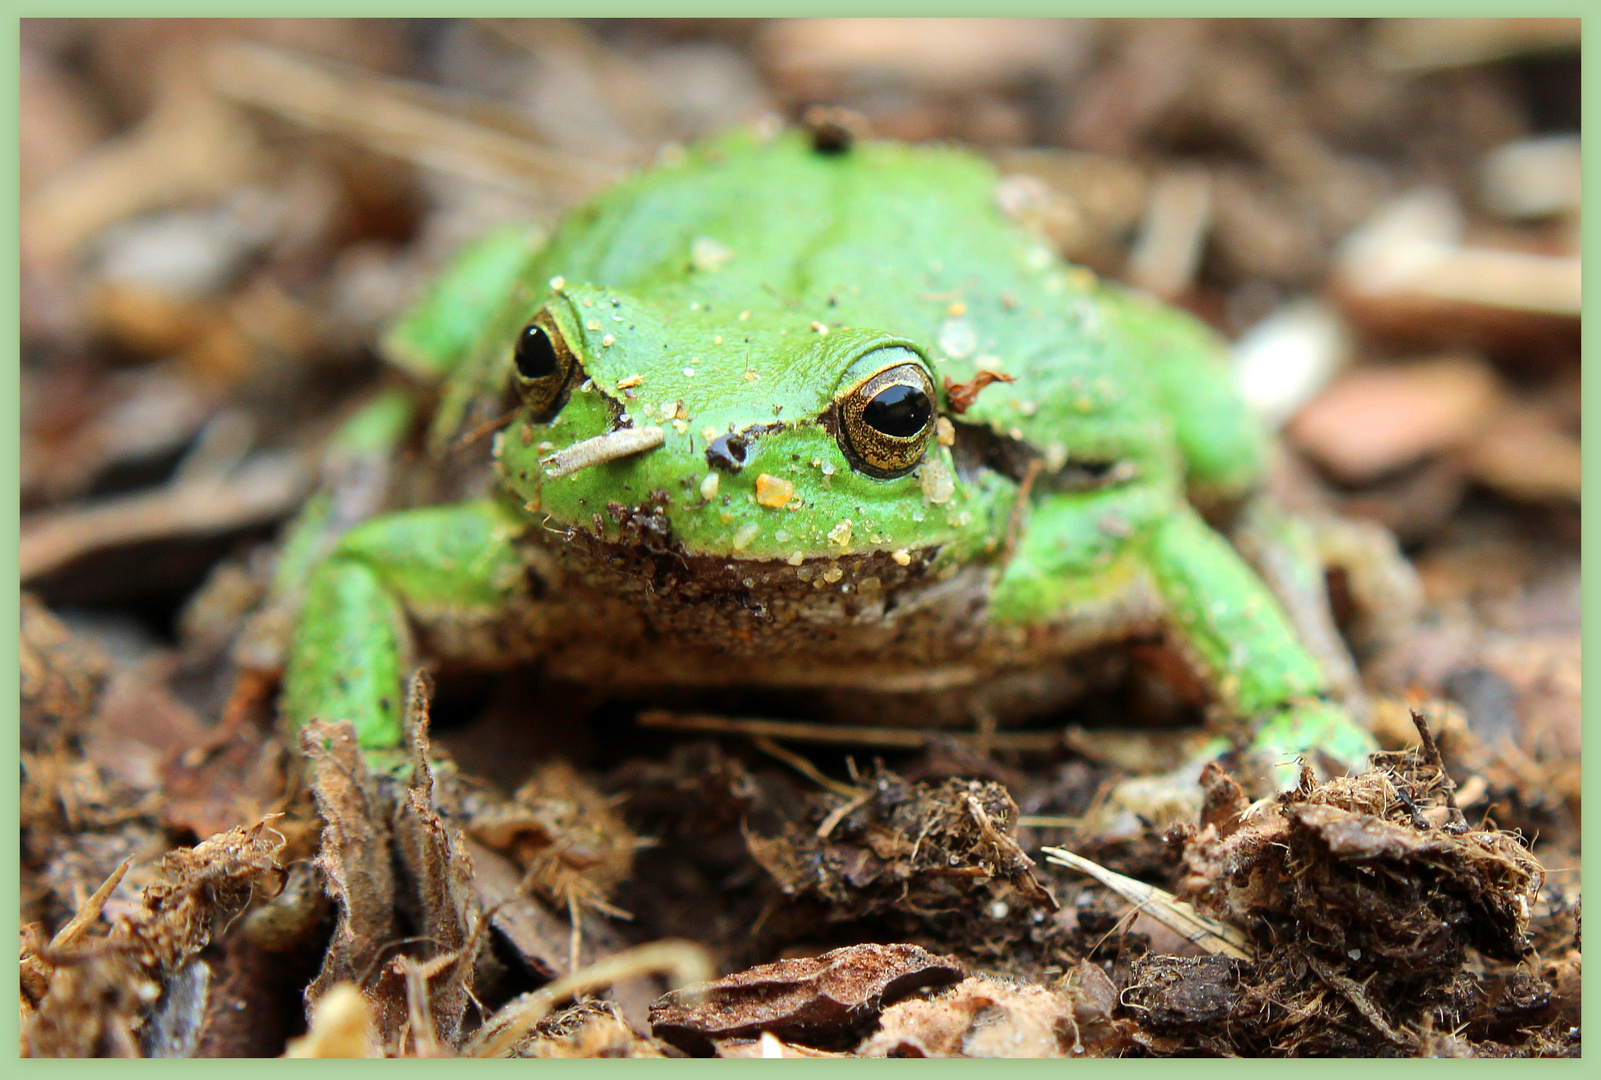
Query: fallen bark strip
{"type": "Point", "coordinates": [259, 491]}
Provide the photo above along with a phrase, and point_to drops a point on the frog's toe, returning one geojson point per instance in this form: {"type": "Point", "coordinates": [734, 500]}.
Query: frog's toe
{"type": "Point", "coordinates": [393, 761]}
{"type": "Point", "coordinates": [1137, 805]}
{"type": "Point", "coordinates": [1315, 733]}
{"type": "Point", "coordinates": [1311, 733]}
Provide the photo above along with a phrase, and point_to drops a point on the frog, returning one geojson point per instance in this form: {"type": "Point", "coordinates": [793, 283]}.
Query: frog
{"type": "Point", "coordinates": [811, 417]}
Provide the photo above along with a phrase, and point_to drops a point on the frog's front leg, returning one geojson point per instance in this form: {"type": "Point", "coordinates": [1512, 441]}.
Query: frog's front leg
{"type": "Point", "coordinates": [352, 647]}
{"type": "Point", "coordinates": [1235, 631]}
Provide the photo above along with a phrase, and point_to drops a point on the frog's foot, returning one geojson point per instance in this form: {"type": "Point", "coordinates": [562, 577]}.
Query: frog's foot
{"type": "Point", "coordinates": [1306, 734]}
{"type": "Point", "coordinates": [1380, 584]}
{"type": "Point", "coordinates": [1282, 549]}
{"type": "Point", "coordinates": [1310, 732]}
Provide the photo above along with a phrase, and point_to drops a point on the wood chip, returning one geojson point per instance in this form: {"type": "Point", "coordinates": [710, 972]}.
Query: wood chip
{"type": "Point", "coordinates": [826, 1001]}
{"type": "Point", "coordinates": [1376, 419]}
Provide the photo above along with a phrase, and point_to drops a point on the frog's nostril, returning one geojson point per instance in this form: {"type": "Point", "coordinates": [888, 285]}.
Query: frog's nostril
{"type": "Point", "coordinates": [728, 452]}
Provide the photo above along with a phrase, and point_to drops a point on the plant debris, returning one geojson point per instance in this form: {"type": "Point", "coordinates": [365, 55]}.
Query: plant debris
{"type": "Point", "coordinates": [96, 994]}
{"type": "Point", "coordinates": [1389, 917]}
{"type": "Point", "coordinates": [370, 829]}
{"type": "Point", "coordinates": [986, 1017]}
{"type": "Point", "coordinates": [962, 395]}
{"type": "Point", "coordinates": [919, 851]}
{"type": "Point", "coordinates": [591, 1029]}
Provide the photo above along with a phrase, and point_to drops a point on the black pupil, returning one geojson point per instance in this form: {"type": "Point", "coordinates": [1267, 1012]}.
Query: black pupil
{"type": "Point", "coordinates": [901, 411]}
{"type": "Point", "coordinates": [536, 355]}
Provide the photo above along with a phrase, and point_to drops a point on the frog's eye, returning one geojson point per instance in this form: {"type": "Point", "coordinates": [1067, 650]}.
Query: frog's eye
{"type": "Point", "coordinates": [544, 364]}
{"type": "Point", "coordinates": [885, 420]}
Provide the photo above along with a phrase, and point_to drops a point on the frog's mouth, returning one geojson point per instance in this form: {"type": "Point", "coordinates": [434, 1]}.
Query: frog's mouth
{"type": "Point", "coordinates": [677, 590]}
{"type": "Point", "coordinates": [980, 447]}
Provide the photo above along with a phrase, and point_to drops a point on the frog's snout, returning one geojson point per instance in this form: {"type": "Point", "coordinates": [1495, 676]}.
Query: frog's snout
{"type": "Point", "coordinates": [624, 442]}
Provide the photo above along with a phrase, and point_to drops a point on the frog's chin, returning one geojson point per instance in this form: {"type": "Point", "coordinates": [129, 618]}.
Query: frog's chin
{"type": "Point", "coordinates": [657, 562]}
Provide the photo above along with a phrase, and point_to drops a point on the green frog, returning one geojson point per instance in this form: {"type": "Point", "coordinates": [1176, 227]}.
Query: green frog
{"type": "Point", "coordinates": [811, 416]}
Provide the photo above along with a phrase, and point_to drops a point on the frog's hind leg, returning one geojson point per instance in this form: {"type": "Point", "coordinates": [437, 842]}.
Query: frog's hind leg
{"type": "Point", "coordinates": [1383, 587]}
{"type": "Point", "coordinates": [352, 648]}
{"type": "Point", "coordinates": [1283, 550]}
{"type": "Point", "coordinates": [352, 578]}
{"type": "Point", "coordinates": [1292, 553]}
{"type": "Point", "coordinates": [1235, 631]}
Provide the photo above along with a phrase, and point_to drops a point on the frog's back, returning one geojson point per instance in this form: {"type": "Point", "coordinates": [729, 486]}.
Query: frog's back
{"type": "Point", "coordinates": [905, 239]}
{"type": "Point", "coordinates": [792, 217]}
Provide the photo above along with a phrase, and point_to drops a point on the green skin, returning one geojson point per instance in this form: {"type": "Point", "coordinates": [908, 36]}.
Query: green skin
{"type": "Point", "coordinates": [744, 288]}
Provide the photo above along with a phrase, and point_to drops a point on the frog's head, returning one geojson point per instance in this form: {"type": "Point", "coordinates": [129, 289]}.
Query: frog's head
{"type": "Point", "coordinates": [751, 434]}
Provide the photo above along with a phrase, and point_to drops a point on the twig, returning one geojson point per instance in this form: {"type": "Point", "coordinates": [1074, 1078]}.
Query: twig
{"type": "Point", "coordinates": [1351, 990]}
{"type": "Point", "coordinates": [1048, 821]}
{"type": "Point", "coordinates": [1458, 822]}
{"type": "Point", "coordinates": [1014, 524]}
{"type": "Point", "coordinates": [1431, 754]}
{"type": "Point", "coordinates": [452, 133]}
{"type": "Point", "coordinates": [1215, 937]}
{"type": "Point", "coordinates": [839, 813]}
{"type": "Point", "coordinates": [843, 734]}
{"type": "Point", "coordinates": [488, 427]}
{"type": "Point", "coordinates": [89, 913]}
{"type": "Point", "coordinates": [805, 768]}
{"type": "Point", "coordinates": [257, 492]}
